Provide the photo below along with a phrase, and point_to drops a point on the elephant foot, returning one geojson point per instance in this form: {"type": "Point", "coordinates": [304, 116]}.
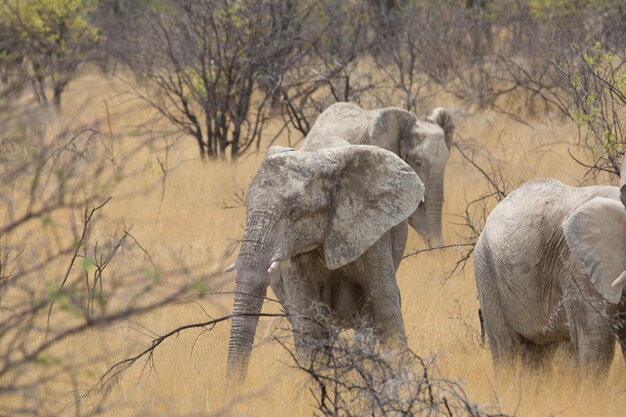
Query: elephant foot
{"type": "Point", "coordinates": [536, 357]}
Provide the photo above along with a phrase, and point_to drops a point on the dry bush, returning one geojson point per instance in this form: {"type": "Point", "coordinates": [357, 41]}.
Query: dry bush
{"type": "Point", "coordinates": [329, 66]}
{"type": "Point", "coordinates": [61, 276]}
{"type": "Point", "coordinates": [212, 69]}
{"type": "Point", "coordinates": [357, 378]}
{"type": "Point", "coordinates": [45, 43]}
{"type": "Point", "coordinates": [219, 73]}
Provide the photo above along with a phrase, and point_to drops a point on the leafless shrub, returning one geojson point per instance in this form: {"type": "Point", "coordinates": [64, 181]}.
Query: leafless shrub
{"type": "Point", "coordinates": [336, 42]}
{"type": "Point", "coordinates": [145, 356]}
{"type": "Point", "coordinates": [358, 378]}
{"type": "Point", "coordinates": [477, 210]}
{"type": "Point", "coordinates": [219, 73]}
{"type": "Point", "coordinates": [59, 277]}
{"type": "Point", "coordinates": [437, 45]}
{"type": "Point", "coordinates": [211, 68]}
{"type": "Point", "coordinates": [404, 55]}
{"type": "Point", "coordinates": [349, 377]}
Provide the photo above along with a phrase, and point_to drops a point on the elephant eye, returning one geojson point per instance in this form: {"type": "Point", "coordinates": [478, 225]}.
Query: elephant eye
{"type": "Point", "coordinates": [294, 213]}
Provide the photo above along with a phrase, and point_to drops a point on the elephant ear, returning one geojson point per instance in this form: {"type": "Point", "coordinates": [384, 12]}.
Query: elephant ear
{"type": "Point", "coordinates": [390, 128]}
{"type": "Point", "coordinates": [374, 191]}
{"type": "Point", "coordinates": [441, 117]}
{"type": "Point", "coordinates": [596, 234]}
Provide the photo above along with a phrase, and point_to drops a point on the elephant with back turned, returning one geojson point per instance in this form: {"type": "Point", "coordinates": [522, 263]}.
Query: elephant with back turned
{"type": "Point", "coordinates": [424, 145]}
{"type": "Point", "coordinates": [550, 267]}
{"type": "Point", "coordinates": [326, 228]}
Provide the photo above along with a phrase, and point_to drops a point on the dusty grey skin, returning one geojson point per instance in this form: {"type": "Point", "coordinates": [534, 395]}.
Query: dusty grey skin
{"type": "Point", "coordinates": [424, 145]}
{"type": "Point", "coordinates": [334, 216]}
{"type": "Point", "coordinates": [547, 265]}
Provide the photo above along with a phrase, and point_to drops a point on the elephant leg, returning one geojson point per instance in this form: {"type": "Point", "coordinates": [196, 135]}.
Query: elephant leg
{"type": "Point", "coordinates": [503, 343]}
{"type": "Point", "coordinates": [536, 356]}
{"type": "Point", "coordinates": [310, 331]}
{"type": "Point", "coordinates": [346, 299]}
{"type": "Point", "coordinates": [377, 276]}
{"type": "Point", "coordinates": [307, 312]}
{"type": "Point", "coordinates": [312, 340]}
{"type": "Point", "coordinates": [399, 235]}
{"type": "Point", "coordinates": [387, 314]}
{"type": "Point", "coordinates": [593, 337]}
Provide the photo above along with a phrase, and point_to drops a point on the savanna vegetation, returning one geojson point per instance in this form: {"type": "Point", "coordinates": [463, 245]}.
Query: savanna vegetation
{"type": "Point", "coordinates": [130, 130]}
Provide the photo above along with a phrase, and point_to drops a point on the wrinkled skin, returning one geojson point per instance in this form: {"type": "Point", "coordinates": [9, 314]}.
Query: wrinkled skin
{"type": "Point", "coordinates": [334, 215]}
{"type": "Point", "coordinates": [545, 263]}
{"type": "Point", "coordinates": [424, 145]}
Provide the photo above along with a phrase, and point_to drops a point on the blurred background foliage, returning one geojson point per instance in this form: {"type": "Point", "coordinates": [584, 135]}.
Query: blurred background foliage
{"type": "Point", "coordinates": [219, 70]}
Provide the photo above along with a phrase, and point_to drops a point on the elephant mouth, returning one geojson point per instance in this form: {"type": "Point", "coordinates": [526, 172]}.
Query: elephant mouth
{"type": "Point", "coordinates": [273, 266]}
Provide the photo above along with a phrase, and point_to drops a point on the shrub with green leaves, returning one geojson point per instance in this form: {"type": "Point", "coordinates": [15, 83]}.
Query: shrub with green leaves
{"type": "Point", "coordinates": [50, 38]}
{"type": "Point", "coordinates": [598, 86]}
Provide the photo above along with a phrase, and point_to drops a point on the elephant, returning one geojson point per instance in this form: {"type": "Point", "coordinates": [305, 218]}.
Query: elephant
{"type": "Point", "coordinates": [549, 268]}
{"type": "Point", "coordinates": [326, 228]}
{"type": "Point", "coordinates": [424, 145]}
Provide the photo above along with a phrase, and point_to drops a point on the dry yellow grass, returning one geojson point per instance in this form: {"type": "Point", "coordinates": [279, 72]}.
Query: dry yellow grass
{"type": "Point", "coordinates": [187, 224]}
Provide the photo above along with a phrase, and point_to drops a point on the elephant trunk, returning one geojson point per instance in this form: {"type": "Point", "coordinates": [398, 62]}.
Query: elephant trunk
{"type": "Point", "coordinates": [252, 281]}
{"type": "Point", "coordinates": [434, 203]}
{"type": "Point", "coordinates": [249, 296]}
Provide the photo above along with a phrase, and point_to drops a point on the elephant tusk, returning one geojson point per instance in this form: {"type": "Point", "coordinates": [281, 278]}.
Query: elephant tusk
{"type": "Point", "coordinates": [231, 267]}
{"type": "Point", "coordinates": [620, 280]}
{"type": "Point", "coordinates": [273, 267]}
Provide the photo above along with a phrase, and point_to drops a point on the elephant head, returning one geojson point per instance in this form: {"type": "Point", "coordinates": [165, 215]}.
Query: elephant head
{"type": "Point", "coordinates": [424, 145]}
{"type": "Point", "coordinates": [596, 234]}
{"type": "Point", "coordinates": [337, 200]}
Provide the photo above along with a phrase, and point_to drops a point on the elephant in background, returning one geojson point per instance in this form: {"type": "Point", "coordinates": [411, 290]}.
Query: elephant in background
{"type": "Point", "coordinates": [424, 145]}
{"type": "Point", "coordinates": [326, 228]}
{"type": "Point", "coordinates": [550, 267]}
